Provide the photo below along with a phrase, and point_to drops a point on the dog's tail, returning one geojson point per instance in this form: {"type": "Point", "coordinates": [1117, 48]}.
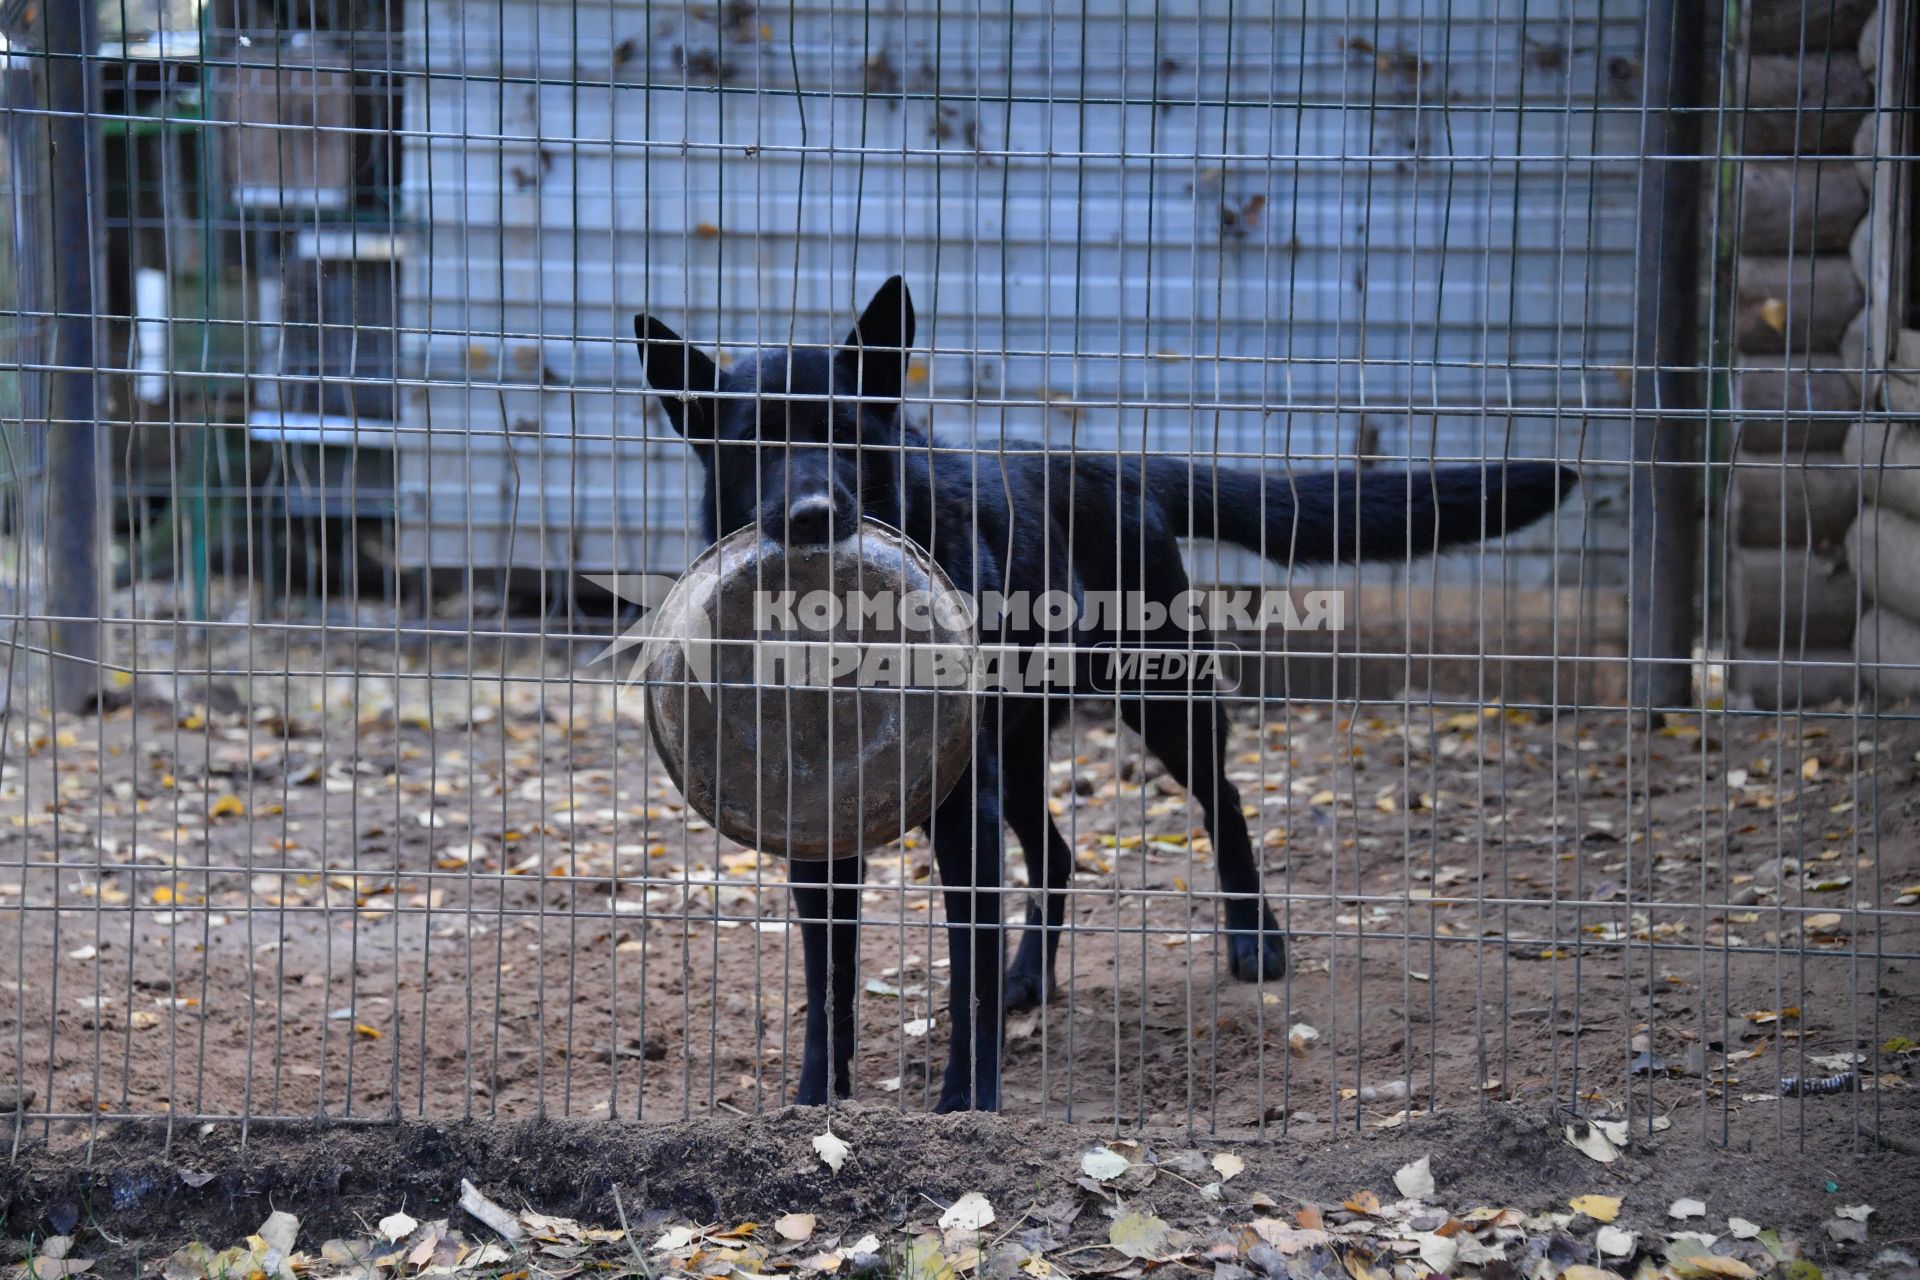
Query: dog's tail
{"type": "Point", "coordinates": [1345, 516]}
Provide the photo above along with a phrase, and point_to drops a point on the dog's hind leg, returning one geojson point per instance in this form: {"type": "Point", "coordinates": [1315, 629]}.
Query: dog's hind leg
{"type": "Point", "coordinates": [1049, 869]}
{"type": "Point", "coordinates": [827, 896]}
{"type": "Point", "coordinates": [968, 846]}
{"type": "Point", "coordinates": [1189, 737]}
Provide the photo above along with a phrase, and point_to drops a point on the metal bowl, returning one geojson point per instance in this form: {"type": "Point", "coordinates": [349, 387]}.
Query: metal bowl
{"type": "Point", "coordinates": [793, 713]}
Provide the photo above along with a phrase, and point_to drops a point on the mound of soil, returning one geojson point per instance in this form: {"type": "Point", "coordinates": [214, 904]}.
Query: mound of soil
{"type": "Point", "coordinates": [140, 1196]}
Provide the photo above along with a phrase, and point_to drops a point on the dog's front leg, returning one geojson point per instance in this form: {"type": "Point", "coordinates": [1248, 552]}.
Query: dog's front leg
{"type": "Point", "coordinates": [827, 895]}
{"type": "Point", "coordinates": [968, 846]}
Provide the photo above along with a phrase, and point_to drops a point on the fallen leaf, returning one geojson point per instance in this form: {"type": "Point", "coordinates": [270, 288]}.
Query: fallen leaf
{"type": "Point", "coordinates": [1599, 1208]}
{"type": "Point", "coordinates": [1288, 1240]}
{"type": "Point", "coordinates": [1362, 1202]}
{"type": "Point", "coordinates": [1614, 1242]}
{"type": "Point", "coordinates": [497, 1218]}
{"type": "Point", "coordinates": [673, 1239]}
{"type": "Point", "coordinates": [396, 1227]}
{"type": "Point", "coordinates": [1139, 1235]}
{"type": "Point", "coordinates": [795, 1226]}
{"type": "Point", "coordinates": [1228, 1166]}
{"type": "Point", "coordinates": [925, 1261]}
{"type": "Point", "coordinates": [833, 1151]}
{"type": "Point", "coordinates": [1103, 1164]}
{"type": "Point", "coordinates": [1857, 1212]}
{"type": "Point", "coordinates": [1702, 1266]}
{"type": "Point", "coordinates": [970, 1212]}
{"type": "Point", "coordinates": [1592, 1143]}
{"type": "Point", "coordinates": [1416, 1182]}
{"type": "Point", "coordinates": [1580, 1271]}
{"type": "Point", "coordinates": [1741, 1229]}
{"type": "Point", "coordinates": [1683, 1209]}
{"type": "Point", "coordinates": [1439, 1251]}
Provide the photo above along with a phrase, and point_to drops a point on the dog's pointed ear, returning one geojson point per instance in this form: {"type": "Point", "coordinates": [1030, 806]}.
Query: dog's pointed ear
{"type": "Point", "coordinates": [876, 350]}
{"type": "Point", "coordinates": [681, 375]}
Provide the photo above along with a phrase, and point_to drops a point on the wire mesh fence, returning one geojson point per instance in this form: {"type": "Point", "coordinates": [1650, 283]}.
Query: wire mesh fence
{"type": "Point", "coordinates": [337, 485]}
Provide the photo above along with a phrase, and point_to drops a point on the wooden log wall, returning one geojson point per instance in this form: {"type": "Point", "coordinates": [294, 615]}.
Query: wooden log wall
{"type": "Point", "coordinates": [1882, 346]}
{"type": "Point", "coordinates": [1804, 95]}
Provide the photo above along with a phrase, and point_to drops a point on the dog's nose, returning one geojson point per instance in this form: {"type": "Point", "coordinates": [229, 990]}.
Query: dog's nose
{"type": "Point", "coordinates": [809, 520]}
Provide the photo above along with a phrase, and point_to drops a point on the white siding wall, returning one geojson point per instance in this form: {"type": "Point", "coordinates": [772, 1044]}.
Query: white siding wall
{"type": "Point", "coordinates": [1427, 248]}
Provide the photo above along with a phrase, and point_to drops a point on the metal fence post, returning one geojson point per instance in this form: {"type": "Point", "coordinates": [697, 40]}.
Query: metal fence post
{"type": "Point", "coordinates": [71, 500]}
{"type": "Point", "coordinates": [1667, 440]}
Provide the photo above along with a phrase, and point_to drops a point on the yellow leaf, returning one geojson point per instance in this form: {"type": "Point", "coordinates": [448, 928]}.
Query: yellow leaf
{"type": "Point", "coordinates": [1599, 1208]}
{"type": "Point", "coordinates": [1139, 1235]}
{"type": "Point", "coordinates": [1761, 1017]}
{"type": "Point", "coordinates": [366, 1032]}
{"type": "Point", "coordinates": [925, 1261]}
{"type": "Point", "coordinates": [1699, 1265]}
{"type": "Point", "coordinates": [1362, 1202]}
{"type": "Point", "coordinates": [1810, 768]}
{"type": "Point", "coordinates": [228, 805]}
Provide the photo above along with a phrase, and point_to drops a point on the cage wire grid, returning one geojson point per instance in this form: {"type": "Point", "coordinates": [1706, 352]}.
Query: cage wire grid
{"type": "Point", "coordinates": [321, 802]}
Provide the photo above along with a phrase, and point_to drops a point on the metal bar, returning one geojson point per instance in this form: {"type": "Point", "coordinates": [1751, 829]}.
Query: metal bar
{"type": "Point", "coordinates": [72, 505]}
{"type": "Point", "coordinates": [1665, 609]}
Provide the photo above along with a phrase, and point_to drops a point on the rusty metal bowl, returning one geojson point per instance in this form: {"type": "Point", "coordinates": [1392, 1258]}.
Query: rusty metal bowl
{"type": "Point", "coordinates": [808, 731]}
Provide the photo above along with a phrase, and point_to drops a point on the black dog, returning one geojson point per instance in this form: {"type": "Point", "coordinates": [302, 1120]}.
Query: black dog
{"type": "Point", "coordinates": [1011, 518]}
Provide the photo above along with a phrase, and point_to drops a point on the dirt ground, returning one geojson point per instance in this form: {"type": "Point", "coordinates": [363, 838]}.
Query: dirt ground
{"type": "Point", "coordinates": [141, 1197]}
{"type": "Point", "coordinates": [429, 895]}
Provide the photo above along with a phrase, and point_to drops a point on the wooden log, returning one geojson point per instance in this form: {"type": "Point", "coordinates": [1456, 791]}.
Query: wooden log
{"type": "Point", "coordinates": [1869, 45]}
{"type": "Point", "coordinates": [1889, 647]}
{"type": "Point", "coordinates": [1888, 454]}
{"type": "Point", "coordinates": [1802, 303]}
{"type": "Point", "coordinates": [1799, 206]}
{"type": "Point", "coordinates": [1883, 550]}
{"type": "Point", "coordinates": [1902, 387]}
{"type": "Point", "coordinates": [1770, 392]}
{"type": "Point", "coordinates": [1803, 106]}
{"type": "Point", "coordinates": [1864, 144]}
{"type": "Point", "coordinates": [1776, 681]}
{"type": "Point", "coordinates": [1790, 26]}
{"type": "Point", "coordinates": [1859, 250]}
{"type": "Point", "coordinates": [1794, 597]}
{"type": "Point", "coordinates": [1779, 507]}
{"type": "Point", "coordinates": [1865, 378]}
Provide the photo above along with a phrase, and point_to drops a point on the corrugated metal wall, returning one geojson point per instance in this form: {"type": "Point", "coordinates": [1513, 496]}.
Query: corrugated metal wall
{"type": "Point", "coordinates": [1396, 231]}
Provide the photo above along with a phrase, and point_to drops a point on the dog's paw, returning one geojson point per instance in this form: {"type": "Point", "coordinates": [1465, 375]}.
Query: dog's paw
{"type": "Point", "coordinates": [952, 1100]}
{"type": "Point", "coordinates": [812, 1089]}
{"type": "Point", "coordinates": [1026, 991]}
{"type": "Point", "coordinates": [1257, 956]}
